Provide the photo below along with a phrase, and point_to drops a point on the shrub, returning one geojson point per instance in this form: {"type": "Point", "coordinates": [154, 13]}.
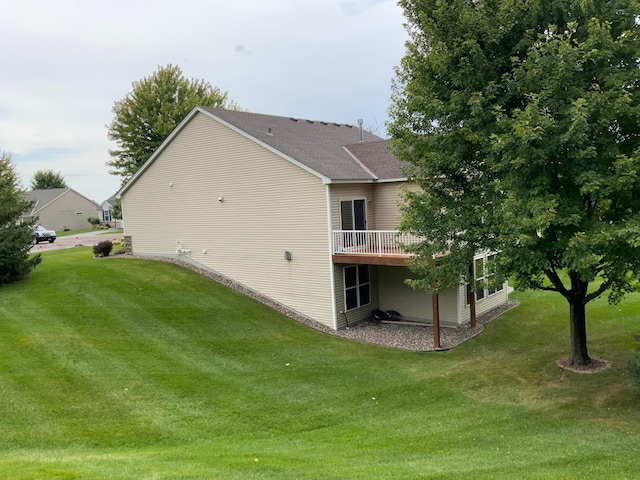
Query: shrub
{"type": "Point", "coordinates": [103, 249]}
{"type": "Point", "coordinates": [95, 221]}
{"type": "Point", "coordinates": [634, 365]}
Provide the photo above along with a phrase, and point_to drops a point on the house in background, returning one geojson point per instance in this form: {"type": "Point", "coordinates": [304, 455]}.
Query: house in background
{"type": "Point", "coordinates": [61, 208]}
{"type": "Point", "coordinates": [302, 212]}
{"type": "Point", "coordinates": [105, 213]}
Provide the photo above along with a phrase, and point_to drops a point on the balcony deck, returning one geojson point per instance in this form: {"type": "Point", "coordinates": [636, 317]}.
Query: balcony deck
{"type": "Point", "coordinates": [372, 247]}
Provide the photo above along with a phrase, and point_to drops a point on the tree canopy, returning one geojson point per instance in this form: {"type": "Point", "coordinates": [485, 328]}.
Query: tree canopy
{"type": "Point", "coordinates": [16, 236]}
{"type": "Point", "coordinates": [116, 211]}
{"type": "Point", "coordinates": [521, 123]}
{"type": "Point", "coordinates": [148, 114]}
{"type": "Point", "coordinates": [47, 179]}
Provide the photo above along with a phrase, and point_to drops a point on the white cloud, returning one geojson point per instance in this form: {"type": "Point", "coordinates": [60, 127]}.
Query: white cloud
{"type": "Point", "coordinates": [68, 61]}
{"type": "Point", "coordinates": [356, 7]}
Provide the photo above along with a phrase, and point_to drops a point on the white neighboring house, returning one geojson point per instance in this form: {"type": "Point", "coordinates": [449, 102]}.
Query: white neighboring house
{"type": "Point", "coordinates": [302, 212]}
{"type": "Point", "coordinates": [61, 208]}
{"type": "Point", "coordinates": [105, 213]}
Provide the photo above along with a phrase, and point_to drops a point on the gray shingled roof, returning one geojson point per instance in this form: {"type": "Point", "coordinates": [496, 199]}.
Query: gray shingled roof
{"type": "Point", "coordinates": [42, 198]}
{"type": "Point", "coordinates": [378, 159]}
{"type": "Point", "coordinates": [330, 149]}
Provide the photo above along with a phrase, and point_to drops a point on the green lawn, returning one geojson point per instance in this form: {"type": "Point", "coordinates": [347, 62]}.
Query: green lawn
{"type": "Point", "coordinates": [133, 369]}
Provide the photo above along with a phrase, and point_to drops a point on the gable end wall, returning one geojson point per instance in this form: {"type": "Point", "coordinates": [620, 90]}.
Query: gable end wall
{"type": "Point", "coordinates": [236, 207]}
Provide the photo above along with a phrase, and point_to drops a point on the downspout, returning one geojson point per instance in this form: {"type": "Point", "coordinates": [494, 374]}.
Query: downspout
{"type": "Point", "coordinates": [332, 281]}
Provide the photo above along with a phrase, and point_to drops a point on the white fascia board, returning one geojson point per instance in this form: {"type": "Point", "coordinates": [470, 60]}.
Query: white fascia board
{"type": "Point", "coordinates": [365, 180]}
{"type": "Point", "coordinates": [392, 180]}
{"type": "Point", "coordinates": [344, 181]}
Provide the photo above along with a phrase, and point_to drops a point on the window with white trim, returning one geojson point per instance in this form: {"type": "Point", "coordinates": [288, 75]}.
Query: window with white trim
{"type": "Point", "coordinates": [482, 273]}
{"type": "Point", "coordinates": [357, 286]}
{"type": "Point", "coordinates": [492, 287]}
{"type": "Point", "coordinates": [479, 277]}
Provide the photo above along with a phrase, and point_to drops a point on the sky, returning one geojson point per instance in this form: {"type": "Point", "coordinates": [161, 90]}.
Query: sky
{"type": "Point", "coordinates": [65, 63]}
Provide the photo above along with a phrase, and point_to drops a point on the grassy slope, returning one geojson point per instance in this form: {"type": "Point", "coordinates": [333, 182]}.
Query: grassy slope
{"type": "Point", "coordinates": [124, 368]}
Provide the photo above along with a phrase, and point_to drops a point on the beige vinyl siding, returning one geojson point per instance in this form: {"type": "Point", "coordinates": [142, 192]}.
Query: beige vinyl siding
{"type": "Point", "coordinates": [395, 294]}
{"type": "Point", "coordinates": [482, 306]}
{"type": "Point", "coordinates": [448, 302]}
{"type": "Point", "coordinates": [357, 314]}
{"type": "Point", "coordinates": [390, 292]}
{"type": "Point", "coordinates": [414, 304]}
{"type": "Point", "coordinates": [386, 200]}
{"type": "Point", "coordinates": [382, 199]}
{"type": "Point", "coordinates": [269, 206]}
{"type": "Point", "coordinates": [356, 191]}
{"type": "Point", "coordinates": [70, 210]}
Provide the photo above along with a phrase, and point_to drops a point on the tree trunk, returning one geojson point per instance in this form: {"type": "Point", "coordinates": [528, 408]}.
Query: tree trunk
{"type": "Point", "coordinates": [577, 319]}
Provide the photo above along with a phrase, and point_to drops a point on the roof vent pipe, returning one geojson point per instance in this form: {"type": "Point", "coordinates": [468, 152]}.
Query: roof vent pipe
{"type": "Point", "coordinates": [361, 130]}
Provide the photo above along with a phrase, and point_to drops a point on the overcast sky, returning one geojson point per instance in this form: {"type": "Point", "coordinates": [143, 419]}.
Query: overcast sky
{"type": "Point", "coordinates": [65, 63]}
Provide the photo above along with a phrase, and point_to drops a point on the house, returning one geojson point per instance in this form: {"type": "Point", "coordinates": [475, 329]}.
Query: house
{"type": "Point", "coordinates": [106, 213]}
{"type": "Point", "coordinates": [302, 212]}
{"type": "Point", "coordinates": [61, 208]}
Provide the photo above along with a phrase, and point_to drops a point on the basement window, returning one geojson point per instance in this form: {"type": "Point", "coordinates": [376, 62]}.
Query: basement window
{"type": "Point", "coordinates": [357, 286]}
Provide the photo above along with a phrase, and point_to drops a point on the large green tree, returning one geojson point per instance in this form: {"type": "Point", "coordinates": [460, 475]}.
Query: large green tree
{"type": "Point", "coordinates": [148, 114]}
{"type": "Point", "coordinates": [16, 236]}
{"type": "Point", "coordinates": [47, 179]}
{"type": "Point", "coordinates": [521, 122]}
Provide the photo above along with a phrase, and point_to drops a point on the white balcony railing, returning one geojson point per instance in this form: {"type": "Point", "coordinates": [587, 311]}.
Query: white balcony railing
{"type": "Point", "coordinates": [372, 242]}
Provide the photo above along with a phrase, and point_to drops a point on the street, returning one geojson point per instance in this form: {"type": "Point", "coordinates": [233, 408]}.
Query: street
{"type": "Point", "coordinates": [83, 239]}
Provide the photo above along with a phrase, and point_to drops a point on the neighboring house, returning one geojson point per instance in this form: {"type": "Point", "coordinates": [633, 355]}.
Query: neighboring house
{"type": "Point", "coordinates": [105, 213]}
{"type": "Point", "coordinates": [300, 211]}
{"type": "Point", "coordinates": [61, 208]}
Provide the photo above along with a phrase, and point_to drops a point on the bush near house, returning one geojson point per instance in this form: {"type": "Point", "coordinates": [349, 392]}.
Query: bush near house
{"type": "Point", "coordinates": [103, 249]}
{"type": "Point", "coordinates": [118, 247]}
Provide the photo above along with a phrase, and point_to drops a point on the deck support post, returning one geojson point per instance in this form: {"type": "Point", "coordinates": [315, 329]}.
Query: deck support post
{"type": "Point", "coordinates": [472, 298]}
{"type": "Point", "coordinates": [436, 317]}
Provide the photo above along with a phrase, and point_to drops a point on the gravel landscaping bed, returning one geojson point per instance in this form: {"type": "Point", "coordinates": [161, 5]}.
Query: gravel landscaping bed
{"type": "Point", "coordinates": [419, 337]}
{"type": "Point", "coordinates": [414, 337]}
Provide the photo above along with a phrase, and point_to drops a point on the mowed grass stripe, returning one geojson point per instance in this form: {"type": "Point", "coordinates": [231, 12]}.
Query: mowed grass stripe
{"type": "Point", "coordinates": [128, 368]}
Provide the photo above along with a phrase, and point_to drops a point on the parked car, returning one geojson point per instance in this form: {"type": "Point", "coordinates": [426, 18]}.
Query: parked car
{"type": "Point", "coordinates": [41, 234]}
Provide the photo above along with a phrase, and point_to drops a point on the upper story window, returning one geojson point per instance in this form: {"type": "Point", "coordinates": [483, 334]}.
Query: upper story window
{"type": "Point", "coordinates": [353, 214]}
{"type": "Point", "coordinates": [353, 219]}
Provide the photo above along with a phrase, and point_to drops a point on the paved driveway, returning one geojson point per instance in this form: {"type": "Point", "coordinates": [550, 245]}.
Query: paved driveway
{"type": "Point", "coordinates": [84, 239]}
